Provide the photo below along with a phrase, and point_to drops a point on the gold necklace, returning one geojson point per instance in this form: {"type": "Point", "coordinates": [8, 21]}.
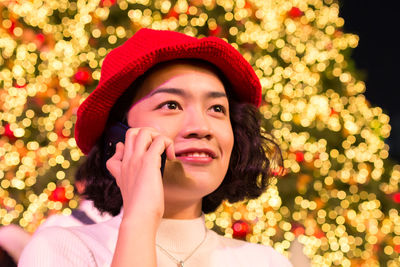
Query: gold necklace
{"type": "Point", "coordinates": [180, 263]}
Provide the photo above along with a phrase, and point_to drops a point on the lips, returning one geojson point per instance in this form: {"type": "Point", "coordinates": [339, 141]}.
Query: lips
{"type": "Point", "coordinates": [196, 153]}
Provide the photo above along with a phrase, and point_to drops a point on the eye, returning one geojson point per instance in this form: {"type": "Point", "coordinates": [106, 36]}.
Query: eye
{"type": "Point", "coordinates": [219, 109]}
{"type": "Point", "coordinates": [170, 105]}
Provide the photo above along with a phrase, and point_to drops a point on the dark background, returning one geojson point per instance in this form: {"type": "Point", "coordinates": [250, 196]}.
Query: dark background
{"type": "Point", "coordinates": [377, 25]}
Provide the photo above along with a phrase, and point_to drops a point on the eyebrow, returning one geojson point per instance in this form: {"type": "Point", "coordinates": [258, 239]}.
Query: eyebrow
{"type": "Point", "coordinates": [181, 92]}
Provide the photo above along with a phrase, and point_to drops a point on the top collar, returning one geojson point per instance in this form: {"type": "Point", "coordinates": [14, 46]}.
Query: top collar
{"type": "Point", "coordinates": [175, 235]}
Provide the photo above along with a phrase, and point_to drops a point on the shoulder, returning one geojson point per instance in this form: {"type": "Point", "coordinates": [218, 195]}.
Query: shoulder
{"type": "Point", "coordinates": [261, 255]}
{"type": "Point", "coordinates": [99, 233]}
{"type": "Point", "coordinates": [56, 245]}
{"type": "Point", "coordinates": [73, 229]}
{"type": "Point", "coordinates": [59, 220]}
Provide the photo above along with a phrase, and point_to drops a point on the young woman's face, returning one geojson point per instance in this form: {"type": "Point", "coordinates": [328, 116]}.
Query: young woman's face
{"type": "Point", "coordinates": [188, 104]}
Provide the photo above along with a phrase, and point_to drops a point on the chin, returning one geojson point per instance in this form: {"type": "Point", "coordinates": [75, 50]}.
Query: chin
{"type": "Point", "coordinates": [188, 189]}
{"type": "Point", "coordinates": [188, 182]}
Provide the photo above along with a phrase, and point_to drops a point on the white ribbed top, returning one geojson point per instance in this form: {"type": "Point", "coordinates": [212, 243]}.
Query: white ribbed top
{"type": "Point", "coordinates": [93, 245]}
{"type": "Point", "coordinates": [181, 236]}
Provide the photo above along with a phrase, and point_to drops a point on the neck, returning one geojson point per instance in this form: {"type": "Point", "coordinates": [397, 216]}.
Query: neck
{"type": "Point", "coordinates": [182, 211]}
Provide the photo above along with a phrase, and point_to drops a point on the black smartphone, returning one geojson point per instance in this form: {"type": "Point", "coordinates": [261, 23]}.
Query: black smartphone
{"type": "Point", "coordinates": [116, 133]}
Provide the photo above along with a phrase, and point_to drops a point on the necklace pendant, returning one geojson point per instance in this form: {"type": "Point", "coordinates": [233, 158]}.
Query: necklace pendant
{"type": "Point", "coordinates": [180, 264]}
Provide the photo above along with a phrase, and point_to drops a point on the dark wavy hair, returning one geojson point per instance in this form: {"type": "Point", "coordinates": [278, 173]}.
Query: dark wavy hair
{"type": "Point", "coordinates": [249, 166]}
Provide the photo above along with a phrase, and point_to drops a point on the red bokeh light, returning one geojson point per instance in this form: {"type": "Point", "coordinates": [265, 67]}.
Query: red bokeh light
{"type": "Point", "coordinates": [240, 229]}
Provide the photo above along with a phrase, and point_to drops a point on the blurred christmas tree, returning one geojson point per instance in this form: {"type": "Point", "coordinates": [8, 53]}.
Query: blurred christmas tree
{"type": "Point", "coordinates": [338, 193]}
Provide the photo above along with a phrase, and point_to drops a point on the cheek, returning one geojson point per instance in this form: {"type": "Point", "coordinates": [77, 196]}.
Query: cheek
{"type": "Point", "coordinates": [169, 128]}
{"type": "Point", "coordinates": [227, 138]}
{"type": "Point", "coordinates": [138, 118]}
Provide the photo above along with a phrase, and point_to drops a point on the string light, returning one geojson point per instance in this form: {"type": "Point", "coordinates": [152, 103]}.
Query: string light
{"type": "Point", "coordinates": [338, 195]}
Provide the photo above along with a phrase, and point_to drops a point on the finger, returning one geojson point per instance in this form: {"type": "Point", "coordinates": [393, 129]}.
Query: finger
{"type": "Point", "coordinates": [143, 141]}
{"type": "Point", "coordinates": [158, 146]}
{"type": "Point", "coordinates": [119, 151]}
{"type": "Point", "coordinates": [113, 164]}
{"type": "Point", "coordinates": [130, 142]}
{"type": "Point", "coordinates": [170, 151]}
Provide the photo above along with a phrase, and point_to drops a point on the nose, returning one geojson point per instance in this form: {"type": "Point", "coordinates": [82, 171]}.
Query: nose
{"type": "Point", "coordinates": [197, 125]}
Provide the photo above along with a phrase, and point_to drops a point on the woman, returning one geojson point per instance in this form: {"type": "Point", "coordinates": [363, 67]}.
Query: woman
{"type": "Point", "coordinates": [194, 100]}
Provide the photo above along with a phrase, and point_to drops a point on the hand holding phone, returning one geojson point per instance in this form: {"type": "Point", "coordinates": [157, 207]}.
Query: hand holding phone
{"type": "Point", "coordinates": [115, 134]}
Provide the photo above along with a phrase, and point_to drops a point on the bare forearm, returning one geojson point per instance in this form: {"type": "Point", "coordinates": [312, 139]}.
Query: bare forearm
{"type": "Point", "coordinates": [136, 245]}
{"type": "Point", "coordinates": [136, 168]}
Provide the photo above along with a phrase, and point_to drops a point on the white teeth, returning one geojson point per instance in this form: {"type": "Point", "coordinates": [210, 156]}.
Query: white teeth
{"type": "Point", "coordinates": [196, 154]}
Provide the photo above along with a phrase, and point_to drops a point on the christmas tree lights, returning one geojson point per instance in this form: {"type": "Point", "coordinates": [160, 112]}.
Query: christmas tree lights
{"type": "Point", "coordinates": [337, 191]}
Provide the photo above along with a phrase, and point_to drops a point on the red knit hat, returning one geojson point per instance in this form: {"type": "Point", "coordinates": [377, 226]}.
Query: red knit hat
{"type": "Point", "coordinates": [143, 50]}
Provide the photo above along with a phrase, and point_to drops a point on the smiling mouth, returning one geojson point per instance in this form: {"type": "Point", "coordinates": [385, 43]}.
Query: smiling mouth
{"type": "Point", "coordinates": [195, 155]}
